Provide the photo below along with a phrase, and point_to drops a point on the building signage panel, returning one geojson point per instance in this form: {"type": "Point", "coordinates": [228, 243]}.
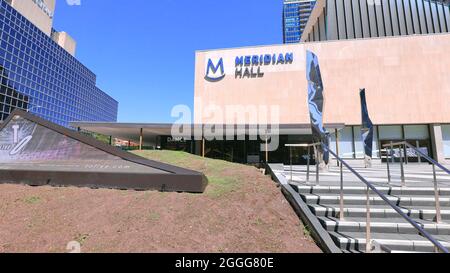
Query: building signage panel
{"type": "Point", "coordinates": [215, 71]}
{"type": "Point", "coordinates": [247, 66]}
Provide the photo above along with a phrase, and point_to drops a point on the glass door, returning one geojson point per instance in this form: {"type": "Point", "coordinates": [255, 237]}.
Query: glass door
{"type": "Point", "coordinates": [423, 145]}
{"type": "Point", "coordinates": [418, 136]}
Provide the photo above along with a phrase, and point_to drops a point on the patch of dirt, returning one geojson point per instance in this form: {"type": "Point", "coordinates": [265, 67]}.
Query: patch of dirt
{"type": "Point", "coordinates": [241, 211]}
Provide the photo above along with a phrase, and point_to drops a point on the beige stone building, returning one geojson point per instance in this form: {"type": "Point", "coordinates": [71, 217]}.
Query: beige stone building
{"type": "Point", "coordinates": [404, 70]}
{"type": "Point", "coordinates": [397, 50]}
{"type": "Point", "coordinates": [40, 13]}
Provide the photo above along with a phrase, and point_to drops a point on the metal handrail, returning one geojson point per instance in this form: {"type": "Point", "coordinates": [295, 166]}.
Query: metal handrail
{"type": "Point", "coordinates": [308, 158]}
{"type": "Point", "coordinates": [370, 186]}
{"type": "Point", "coordinates": [429, 159]}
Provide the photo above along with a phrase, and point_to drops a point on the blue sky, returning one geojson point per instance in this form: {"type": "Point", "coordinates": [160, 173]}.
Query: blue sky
{"type": "Point", "coordinates": [143, 51]}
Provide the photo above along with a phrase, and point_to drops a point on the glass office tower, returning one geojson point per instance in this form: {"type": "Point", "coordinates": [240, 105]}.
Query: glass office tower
{"type": "Point", "coordinates": [295, 16]}
{"type": "Point", "coordinates": [39, 76]}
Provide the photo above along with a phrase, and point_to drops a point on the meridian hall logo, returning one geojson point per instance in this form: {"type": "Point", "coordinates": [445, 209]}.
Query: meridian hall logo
{"type": "Point", "coordinates": [215, 70]}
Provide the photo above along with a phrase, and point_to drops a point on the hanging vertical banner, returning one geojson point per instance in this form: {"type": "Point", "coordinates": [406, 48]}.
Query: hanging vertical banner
{"type": "Point", "coordinates": [315, 102]}
{"type": "Point", "coordinates": [366, 129]}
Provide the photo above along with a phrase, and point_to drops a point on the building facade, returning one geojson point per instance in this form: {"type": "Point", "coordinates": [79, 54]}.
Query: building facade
{"type": "Point", "coordinates": [396, 49]}
{"type": "Point", "coordinates": [295, 16]}
{"type": "Point", "coordinates": [39, 12]}
{"type": "Point", "coordinates": [405, 77]}
{"type": "Point", "coordinates": [38, 70]}
{"type": "Point", "coordinates": [361, 19]}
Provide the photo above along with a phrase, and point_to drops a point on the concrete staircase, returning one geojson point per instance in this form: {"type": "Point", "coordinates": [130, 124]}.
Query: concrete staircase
{"type": "Point", "coordinates": [390, 232]}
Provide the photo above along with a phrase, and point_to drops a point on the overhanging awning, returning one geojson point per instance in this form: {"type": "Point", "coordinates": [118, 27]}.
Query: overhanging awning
{"type": "Point", "coordinates": [132, 131]}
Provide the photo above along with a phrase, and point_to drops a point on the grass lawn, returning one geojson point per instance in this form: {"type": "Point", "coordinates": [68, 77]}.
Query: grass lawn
{"type": "Point", "coordinates": [241, 211]}
{"type": "Point", "coordinates": [218, 171]}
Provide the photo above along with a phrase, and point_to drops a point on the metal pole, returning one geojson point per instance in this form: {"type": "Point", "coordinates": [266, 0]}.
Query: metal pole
{"type": "Point", "coordinates": [368, 229]}
{"type": "Point", "coordinates": [203, 147]}
{"type": "Point", "coordinates": [388, 152]}
{"type": "Point", "coordinates": [402, 170]}
{"type": "Point", "coordinates": [406, 154]}
{"type": "Point", "coordinates": [267, 150]}
{"type": "Point", "coordinates": [337, 146]}
{"type": "Point", "coordinates": [392, 148]}
{"type": "Point", "coordinates": [341, 214]}
{"type": "Point", "coordinates": [317, 164]}
{"type": "Point", "coordinates": [436, 196]}
{"type": "Point", "coordinates": [418, 155]}
{"type": "Point", "coordinates": [141, 138]}
{"type": "Point", "coordinates": [307, 163]}
{"type": "Point", "coordinates": [290, 159]}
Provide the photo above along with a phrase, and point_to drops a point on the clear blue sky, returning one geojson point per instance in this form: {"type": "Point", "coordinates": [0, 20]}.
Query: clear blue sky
{"type": "Point", "coordinates": [143, 51]}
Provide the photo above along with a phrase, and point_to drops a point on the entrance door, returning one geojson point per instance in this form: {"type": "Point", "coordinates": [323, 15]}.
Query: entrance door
{"type": "Point", "coordinates": [390, 134]}
{"type": "Point", "coordinates": [300, 156]}
{"type": "Point", "coordinates": [395, 151]}
{"type": "Point", "coordinates": [423, 145]}
{"type": "Point", "coordinates": [418, 136]}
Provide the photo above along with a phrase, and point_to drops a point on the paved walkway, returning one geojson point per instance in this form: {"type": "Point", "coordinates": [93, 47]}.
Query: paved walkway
{"type": "Point", "coordinates": [416, 175]}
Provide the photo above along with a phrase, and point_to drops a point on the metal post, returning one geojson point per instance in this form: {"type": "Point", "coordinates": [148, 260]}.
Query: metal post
{"type": "Point", "coordinates": [203, 147]}
{"type": "Point", "coordinates": [141, 137]}
{"type": "Point", "coordinates": [337, 146]}
{"type": "Point", "coordinates": [436, 196]}
{"type": "Point", "coordinates": [388, 157]}
{"type": "Point", "coordinates": [267, 150]}
{"type": "Point", "coordinates": [307, 163]}
{"type": "Point", "coordinates": [406, 154]}
{"type": "Point", "coordinates": [402, 170]}
{"type": "Point", "coordinates": [392, 157]}
{"type": "Point", "coordinates": [368, 229]}
{"type": "Point", "coordinates": [290, 159]}
{"type": "Point", "coordinates": [418, 155]}
{"type": "Point", "coordinates": [317, 164]}
{"type": "Point", "coordinates": [341, 214]}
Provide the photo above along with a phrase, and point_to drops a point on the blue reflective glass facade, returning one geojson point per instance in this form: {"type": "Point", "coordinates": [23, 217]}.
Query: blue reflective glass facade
{"type": "Point", "coordinates": [295, 16]}
{"type": "Point", "coordinates": [38, 75]}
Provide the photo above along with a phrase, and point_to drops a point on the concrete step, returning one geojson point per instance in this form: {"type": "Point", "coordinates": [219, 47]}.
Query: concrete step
{"type": "Point", "coordinates": [377, 212]}
{"type": "Point", "coordinates": [382, 225]}
{"type": "Point", "coordinates": [396, 191]}
{"type": "Point", "coordinates": [376, 200]}
{"type": "Point", "coordinates": [378, 169]}
{"type": "Point", "coordinates": [390, 232]}
{"type": "Point", "coordinates": [356, 241]}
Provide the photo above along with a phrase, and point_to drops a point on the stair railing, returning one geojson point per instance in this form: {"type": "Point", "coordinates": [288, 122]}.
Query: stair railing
{"type": "Point", "coordinates": [403, 146]}
{"type": "Point", "coordinates": [308, 159]}
{"type": "Point", "coordinates": [438, 246]}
